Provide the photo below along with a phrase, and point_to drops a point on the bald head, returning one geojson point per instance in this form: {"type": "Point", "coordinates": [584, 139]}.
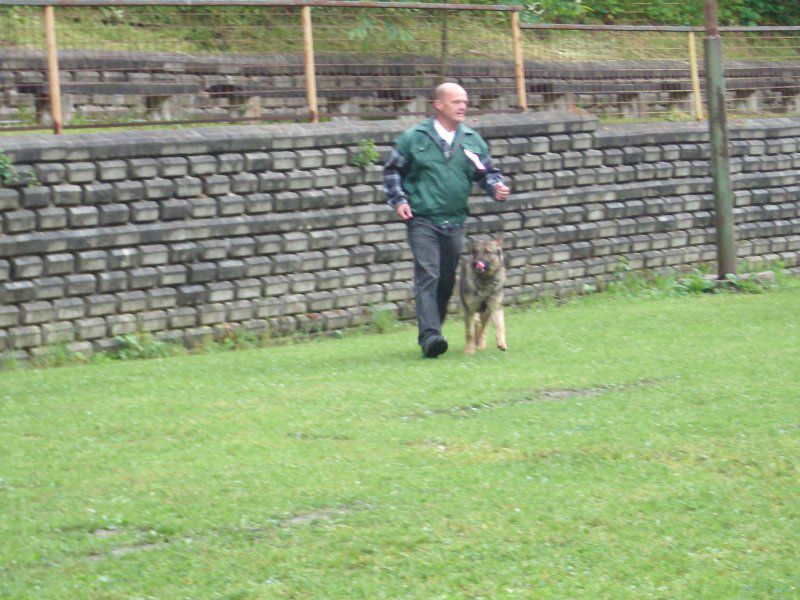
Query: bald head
{"type": "Point", "coordinates": [446, 89]}
{"type": "Point", "coordinates": [450, 104]}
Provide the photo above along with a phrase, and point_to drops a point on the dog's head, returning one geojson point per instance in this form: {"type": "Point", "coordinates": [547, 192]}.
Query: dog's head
{"type": "Point", "coordinates": [487, 256]}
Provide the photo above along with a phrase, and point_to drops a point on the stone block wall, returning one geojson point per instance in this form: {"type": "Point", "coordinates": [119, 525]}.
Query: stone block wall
{"type": "Point", "coordinates": [184, 234]}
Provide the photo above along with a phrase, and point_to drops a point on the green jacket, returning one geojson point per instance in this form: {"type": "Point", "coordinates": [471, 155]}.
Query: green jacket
{"type": "Point", "coordinates": [437, 184]}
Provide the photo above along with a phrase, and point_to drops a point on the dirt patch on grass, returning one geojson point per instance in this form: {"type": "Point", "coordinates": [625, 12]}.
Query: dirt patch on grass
{"type": "Point", "coordinates": [543, 395]}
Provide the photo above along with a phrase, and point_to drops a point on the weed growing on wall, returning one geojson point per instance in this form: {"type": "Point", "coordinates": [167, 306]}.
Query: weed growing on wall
{"type": "Point", "coordinates": [10, 175]}
{"type": "Point", "coordinates": [366, 155]}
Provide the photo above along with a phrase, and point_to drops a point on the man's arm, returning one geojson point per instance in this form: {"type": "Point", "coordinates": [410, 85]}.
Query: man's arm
{"type": "Point", "coordinates": [491, 179]}
{"type": "Point", "coordinates": [393, 172]}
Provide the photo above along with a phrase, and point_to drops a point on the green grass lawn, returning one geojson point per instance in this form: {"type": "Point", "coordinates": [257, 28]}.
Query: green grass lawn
{"type": "Point", "coordinates": [620, 449]}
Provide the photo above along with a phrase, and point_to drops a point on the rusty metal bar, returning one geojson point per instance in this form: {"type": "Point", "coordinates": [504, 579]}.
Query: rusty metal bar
{"type": "Point", "coordinates": [519, 64]}
{"type": "Point", "coordinates": [658, 28]}
{"type": "Point", "coordinates": [695, 74]}
{"type": "Point", "coordinates": [308, 58]}
{"type": "Point", "coordinates": [53, 84]}
{"type": "Point", "coordinates": [267, 3]}
{"type": "Point", "coordinates": [720, 156]}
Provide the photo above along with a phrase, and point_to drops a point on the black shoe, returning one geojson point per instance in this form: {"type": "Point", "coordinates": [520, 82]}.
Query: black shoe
{"type": "Point", "coordinates": [434, 346]}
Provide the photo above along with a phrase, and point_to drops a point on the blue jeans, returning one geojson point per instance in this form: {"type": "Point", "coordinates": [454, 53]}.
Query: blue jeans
{"type": "Point", "coordinates": [437, 251]}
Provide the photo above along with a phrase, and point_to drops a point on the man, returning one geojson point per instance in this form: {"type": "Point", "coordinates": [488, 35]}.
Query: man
{"type": "Point", "coordinates": [427, 180]}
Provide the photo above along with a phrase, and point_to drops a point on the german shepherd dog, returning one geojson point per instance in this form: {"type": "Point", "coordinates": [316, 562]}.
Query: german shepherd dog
{"type": "Point", "coordinates": [483, 275]}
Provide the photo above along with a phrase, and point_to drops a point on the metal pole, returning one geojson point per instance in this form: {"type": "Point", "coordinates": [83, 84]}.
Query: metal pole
{"type": "Point", "coordinates": [310, 69]}
{"type": "Point", "coordinates": [53, 84]}
{"type": "Point", "coordinates": [697, 97]}
{"type": "Point", "coordinates": [519, 63]}
{"type": "Point", "coordinates": [720, 158]}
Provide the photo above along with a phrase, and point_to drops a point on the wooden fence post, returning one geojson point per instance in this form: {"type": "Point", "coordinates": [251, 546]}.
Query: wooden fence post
{"type": "Point", "coordinates": [53, 84]}
{"type": "Point", "coordinates": [310, 70]}
{"type": "Point", "coordinates": [698, 100]}
{"type": "Point", "coordinates": [519, 63]}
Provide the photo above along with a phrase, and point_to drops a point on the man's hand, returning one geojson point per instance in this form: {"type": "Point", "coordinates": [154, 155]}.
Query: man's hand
{"type": "Point", "coordinates": [404, 211]}
{"type": "Point", "coordinates": [501, 191]}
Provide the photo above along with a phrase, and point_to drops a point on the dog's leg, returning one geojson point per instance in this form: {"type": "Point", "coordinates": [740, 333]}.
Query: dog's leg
{"type": "Point", "coordinates": [469, 322]}
{"type": "Point", "coordinates": [481, 334]}
{"type": "Point", "coordinates": [500, 328]}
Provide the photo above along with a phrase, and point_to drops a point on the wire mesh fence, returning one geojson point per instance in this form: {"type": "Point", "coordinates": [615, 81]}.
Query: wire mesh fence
{"type": "Point", "coordinates": [149, 62]}
{"type": "Point", "coordinates": [215, 61]}
{"type": "Point", "coordinates": [658, 72]}
{"type": "Point", "coordinates": [388, 61]}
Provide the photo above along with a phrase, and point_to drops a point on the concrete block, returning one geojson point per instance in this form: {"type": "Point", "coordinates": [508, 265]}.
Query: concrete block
{"type": "Point", "coordinates": [188, 187]}
{"type": "Point", "coordinates": [161, 298]}
{"type": "Point", "coordinates": [181, 317]}
{"type": "Point", "coordinates": [153, 320]}
{"type": "Point", "coordinates": [112, 170]}
{"type": "Point", "coordinates": [286, 201]}
{"type": "Point", "coordinates": [301, 283]}
{"type": "Point", "coordinates": [133, 301]}
{"type": "Point", "coordinates": [272, 181]}
{"type": "Point", "coordinates": [334, 157]}
{"type": "Point", "coordinates": [300, 180]}
{"type": "Point", "coordinates": [244, 183]}
{"type": "Point", "coordinates": [30, 197]}
{"type": "Point", "coordinates": [91, 328]}
{"type": "Point", "coordinates": [18, 221]}
{"type": "Point", "coordinates": [173, 166]}
{"type": "Point", "coordinates": [247, 289]}
{"type": "Point", "coordinates": [20, 338]}
{"type": "Point", "coordinates": [230, 269]}
{"type": "Point", "coordinates": [26, 267]}
{"type": "Point", "coordinates": [83, 216]}
{"type": "Point", "coordinates": [202, 164]}
{"type": "Point", "coordinates": [68, 309]}
{"type": "Point", "coordinates": [220, 291]}
{"type": "Point", "coordinates": [122, 324]}
{"type": "Point", "coordinates": [258, 203]}
{"type": "Point", "coordinates": [142, 168]}
{"type": "Point", "coordinates": [10, 198]}
{"type": "Point", "coordinates": [230, 163]}
{"type": "Point", "coordinates": [269, 244]}
{"type": "Point", "coordinates": [50, 173]}
{"type": "Point", "coordinates": [143, 278]}
{"type": "Point", "coordinates": [240, 310]}
{"type": "Point", "coordinates": [211, 314]}
{"type": "Point", "coordinates": [80, 284]}
{"type": "Point", "coordinates": [114, 214]}
{"type": "Point", "coordinates": [201, 272]}
{"type": "Point", "coordinates": [144, 212]}
{"type": "Point", "coordinates": [112, 281]}
{"type": "Point", "coordinates": [154, 255]}
{"type": "Point", "coordinates": [34, 313]}
{"type": "Point", "coordinates": [257, 161]}
{"type": "Point", "coordinates": [159, 188]}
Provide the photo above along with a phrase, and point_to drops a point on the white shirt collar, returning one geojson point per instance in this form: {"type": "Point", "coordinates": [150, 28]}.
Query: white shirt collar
{"type": "Point", "coordinates": [447, 136]}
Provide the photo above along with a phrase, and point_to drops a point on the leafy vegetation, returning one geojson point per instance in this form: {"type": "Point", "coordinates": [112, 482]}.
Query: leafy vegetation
{"type": "Point", "coordinates": [367, 154]}
{"type": "Point", "coordinates": [11, 175]}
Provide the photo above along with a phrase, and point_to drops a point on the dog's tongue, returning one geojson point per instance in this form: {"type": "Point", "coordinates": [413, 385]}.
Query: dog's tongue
{"type": "Point", "coordinates": [480, 266]}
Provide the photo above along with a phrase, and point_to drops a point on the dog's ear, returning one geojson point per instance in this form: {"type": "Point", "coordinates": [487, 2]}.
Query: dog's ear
{"type": "Point", "coordinates": [499, 238]}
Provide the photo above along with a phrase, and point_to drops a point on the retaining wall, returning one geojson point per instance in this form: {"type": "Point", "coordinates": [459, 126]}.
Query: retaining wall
{"type": "Point", "coordinates": [184, 233]}
{"type": "Point", "coordinates": [103, 86]}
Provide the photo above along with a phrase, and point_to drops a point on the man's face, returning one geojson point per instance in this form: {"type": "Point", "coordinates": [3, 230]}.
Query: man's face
{"type": "Point", "coordinates": [451, 109]}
